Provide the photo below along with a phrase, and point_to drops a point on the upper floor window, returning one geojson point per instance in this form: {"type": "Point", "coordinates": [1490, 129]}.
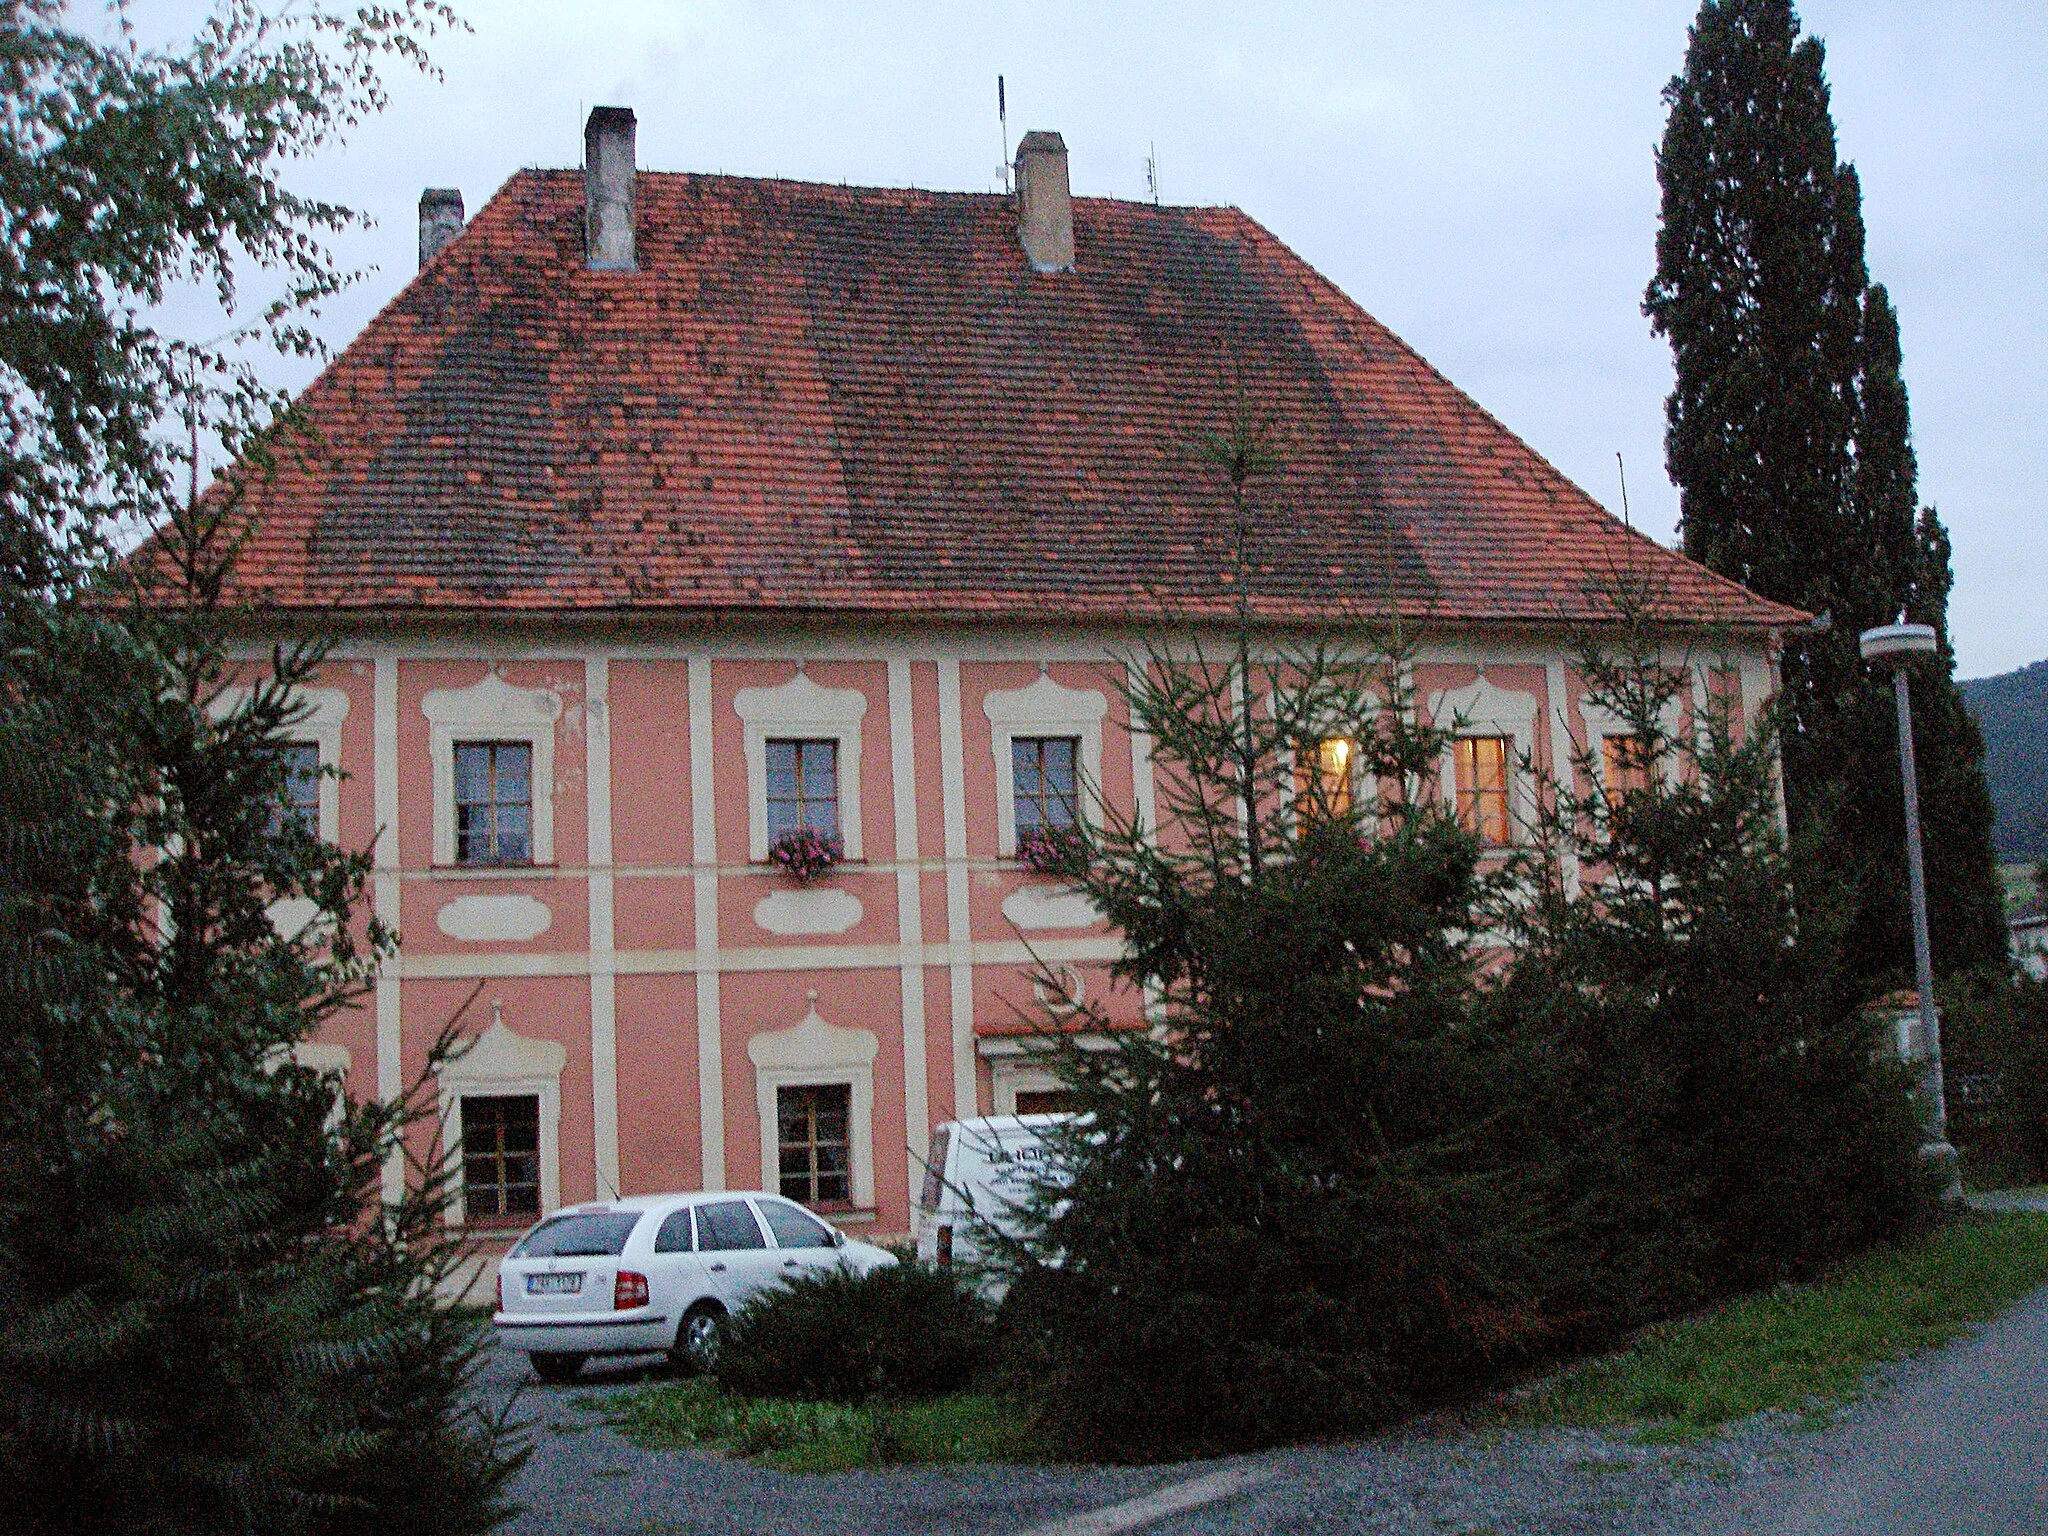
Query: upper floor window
{"type": "Point", "coordinates": [1625, 764]}
{"type": "Point", "coordinates": [301, 805]}
{"type": "Point", "coordinates": [1322, 776]}
{"type": "Point", "coordinates": [1480, 765]}
{"type": "Point", "coordinates": [803, 787]}
{"type": "Point", "coordinates": [1044, 778]}
{"type": "Point", "coordinates": [493, 802]}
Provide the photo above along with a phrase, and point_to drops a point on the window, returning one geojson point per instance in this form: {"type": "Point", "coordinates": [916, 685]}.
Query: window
{"type": "Point", "coordinates": [803, 787]}
{"type": "Point", "coordinates": [674, 1234]}
{"type": "Point", "coordinates": [1043, 778]}
{"type": "Point", "coordinates": [794, 1228]}
{"type": "Point", "coordinates": [301, 806]}
{"type": "Point", "coordinates": [1322, 777]}
{"type": "Point", "coordinates": [1480, 764]}
{"type": "Point", "coordinates": [1045, 1101]}
{"type": "Point", "coordinates": [727, 1226]}
{"type": "Point", "coordinates": [581, 1236]}
{"type": "Point", "coordinates": [500, 1156]}
{"type": "Point", "coordinates": [812, 1124]}
{"type": "Point", "coordinates": [1625, 764]}
{"type": "Point", "coordinates": [493, 802]}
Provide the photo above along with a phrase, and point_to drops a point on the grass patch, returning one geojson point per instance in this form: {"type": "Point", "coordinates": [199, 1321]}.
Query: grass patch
{"type": "Point", "coordinates": [795, 1436]}
{"type": "Point", "coordinates": [1804, 1349]}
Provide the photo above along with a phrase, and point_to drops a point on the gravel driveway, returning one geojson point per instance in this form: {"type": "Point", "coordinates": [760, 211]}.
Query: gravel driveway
{"type": "Point", "coordinates": [1956, 1442]}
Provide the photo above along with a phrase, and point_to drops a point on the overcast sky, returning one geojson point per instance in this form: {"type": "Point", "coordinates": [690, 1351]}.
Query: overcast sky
{"type": "Point", "coordinates": [1478, 176]}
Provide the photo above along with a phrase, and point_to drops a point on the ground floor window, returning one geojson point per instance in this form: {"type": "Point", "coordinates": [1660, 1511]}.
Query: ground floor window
{"type": "Point", "coordinates": [500, 1156]}
{"type": "Point", "coordinates": [813, 1125]}
{"type": "Point", "coordinates": [1045, 1101]}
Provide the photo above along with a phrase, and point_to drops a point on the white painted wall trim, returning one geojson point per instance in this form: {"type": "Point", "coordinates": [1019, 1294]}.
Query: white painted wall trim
{"type": "Point", "coordinates": [704, 852]}
{"type": "Point", "coordinates": [1557, 687]}
{"type": "Point", "coordinates": [493, 710]}
{"type": "Point", "coordinates": [800, 708]}
{"type": "Point", "coordinates": [959, 929]}
{"type": "Point", "coordinates": [1045, 708]}
{"type": "Point", "coordinates": [384, 895]}
{"type": "Point", "coordinates": [502, 1062]}
{"type": "Point", "coordinates": [319, 726]}
{"type": "Point", "coordinates": [1481, 709]}
{"type": "Point", "coordinates": [814, 1053]}
{"type": "Point", "coordinates": [604, 1014]}
{"type": "Point", "coordinates": [909, 917]}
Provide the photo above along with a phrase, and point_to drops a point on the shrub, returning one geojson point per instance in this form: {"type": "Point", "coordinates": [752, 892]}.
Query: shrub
{"type": "Point", "coordinates": [1994, 1034]}
{"type": "Point", "coordinates": [905, 1330]}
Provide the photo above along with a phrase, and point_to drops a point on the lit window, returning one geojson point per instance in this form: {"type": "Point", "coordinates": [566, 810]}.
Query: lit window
{"type": "Point", "coordinates": [1046, 1101]}
{"type": "Point", "coordinates": [500, 1156]}
{"type": "Point", "coordinates": [812, 1139]}
{"type": "Point", "coordinates": [1042, 777]}
{"type": "Point", "coordinates": [1322, 777]}
{"type": "Point", "coordinates": [493, 802]}
{"type": "Point", "coordinates": [1481, 764]}
{"type": "Point", "coordinates": [803, 787]}
{"type": "Point", "coordinates": [1625, 764]}
{"type": "Point", "coordinates": [301, 805]}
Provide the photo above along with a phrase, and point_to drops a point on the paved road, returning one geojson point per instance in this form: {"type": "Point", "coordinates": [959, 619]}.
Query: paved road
{"type": "Point", "coordinates": [1955, 1445]}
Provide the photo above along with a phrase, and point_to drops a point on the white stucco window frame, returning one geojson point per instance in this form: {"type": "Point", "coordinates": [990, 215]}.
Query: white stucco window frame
{"type": "Point", "coordinates": [501, 1063]}
{"type": "Point", "coordinates": [1602, 723]}
{"type": "Point", "coordinates": [815, 1054]}
{"type": "Point", "coordinates": [1045, 708]}
{"type": "Point", "coordinates": [1481, 709]}
{"type": "Point", "coordinates": [320, 727]}
{"type": "Point", "coordinates": [1365, 784]}
{"type": "Point", "coordinates": [1022, 1065]}
{"type": "Point", "coordinates": [801, 710]}
{"type": "Point", "coordinates": [493, 710]}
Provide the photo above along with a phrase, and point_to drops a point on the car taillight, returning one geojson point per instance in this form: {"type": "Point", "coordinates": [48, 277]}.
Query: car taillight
{"type": "Point", "coordinates": [945, 1245]}
{"type": "Point", "coordinates": [629, 1290]}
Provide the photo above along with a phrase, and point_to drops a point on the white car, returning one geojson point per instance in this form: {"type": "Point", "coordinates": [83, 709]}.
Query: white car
{"type": "Point", "coordinates": [656, 1273]}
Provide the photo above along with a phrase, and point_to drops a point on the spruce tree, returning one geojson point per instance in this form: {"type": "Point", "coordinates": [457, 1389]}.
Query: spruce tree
{"type": "Point", "coordinates": [209, 1321]}
{"type": "Point", "coordinates": [1789, 438]}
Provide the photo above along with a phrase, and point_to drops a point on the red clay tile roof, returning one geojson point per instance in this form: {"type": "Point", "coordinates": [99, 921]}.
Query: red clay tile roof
{"type": "Point", "coordinates": [830, 399]}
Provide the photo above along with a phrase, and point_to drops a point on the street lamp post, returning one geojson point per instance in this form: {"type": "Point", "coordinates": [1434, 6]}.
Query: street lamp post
{"type": "Point", "coordinates": [1895, 645]}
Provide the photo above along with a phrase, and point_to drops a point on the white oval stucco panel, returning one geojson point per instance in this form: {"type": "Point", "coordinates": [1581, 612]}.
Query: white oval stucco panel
{"type": "Point", "coordinates": [793, 912]}
{"type": "Point", "coordinates": [1038, 906]}
{"type": "Point", "coordinates": [503, 918]}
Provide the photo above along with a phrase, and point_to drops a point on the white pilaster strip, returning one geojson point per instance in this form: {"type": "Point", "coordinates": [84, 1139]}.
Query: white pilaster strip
{"type": "Point", "coordinates": [959, 927]}
{"type": "Point", "coordinates": [704, 854]}
{"type": "Point", "coordinates": [1561, 760]}
{"type": "Point", "coordinates": [917, 1123]}
{"type": "Point", "coordinates": [384, 892]}
{"type": "Point", "coordinates": [1143, 799]}
{"type": "Point", "coordinates": [604, 1038]}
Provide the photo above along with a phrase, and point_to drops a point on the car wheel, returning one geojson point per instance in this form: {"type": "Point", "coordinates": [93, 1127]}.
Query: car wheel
{"type": "Point", "coordinates": [556, 1368]}
{"type": "Point", "coordinates": [697, 1338]}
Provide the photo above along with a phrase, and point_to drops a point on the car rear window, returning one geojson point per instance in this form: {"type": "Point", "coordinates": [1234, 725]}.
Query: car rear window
{"type": "Point", "coordinates": [580, 1236]}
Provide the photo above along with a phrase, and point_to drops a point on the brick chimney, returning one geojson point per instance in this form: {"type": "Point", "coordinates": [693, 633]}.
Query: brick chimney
{"type": "Point", "coordinates": [440, 220]}
{"type": "Point", "coordinates": [1045, 208]}
{"type": "Point", "coordinates": [608, 176]}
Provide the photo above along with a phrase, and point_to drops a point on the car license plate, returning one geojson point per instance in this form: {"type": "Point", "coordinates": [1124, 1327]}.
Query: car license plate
{"type": "Point", "coordinates": [553, 1285]}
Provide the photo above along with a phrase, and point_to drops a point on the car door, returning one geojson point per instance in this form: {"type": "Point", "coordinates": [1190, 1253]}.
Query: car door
{"type": "Point", "coordinates": [803, 1244]}
{"type": "Point", "coordinates": [675, 1274]}
{"type": "Point", "coordinates": [734, 1249]}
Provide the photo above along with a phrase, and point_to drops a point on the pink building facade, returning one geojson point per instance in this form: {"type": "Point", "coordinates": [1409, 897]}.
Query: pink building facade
{"type": "Point", "coordinates": [661, 514]}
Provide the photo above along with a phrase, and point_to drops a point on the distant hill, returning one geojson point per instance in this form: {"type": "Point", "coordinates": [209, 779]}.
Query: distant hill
{"type": "Point", "coordinates": [2012, 712]}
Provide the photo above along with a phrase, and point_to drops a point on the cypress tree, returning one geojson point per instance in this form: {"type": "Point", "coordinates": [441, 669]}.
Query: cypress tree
{"type": "Point", "coordinates": [1788, 435]}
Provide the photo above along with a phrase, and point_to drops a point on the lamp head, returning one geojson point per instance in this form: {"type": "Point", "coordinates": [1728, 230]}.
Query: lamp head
{"type": "Point", "coordinates": [1890, 641]}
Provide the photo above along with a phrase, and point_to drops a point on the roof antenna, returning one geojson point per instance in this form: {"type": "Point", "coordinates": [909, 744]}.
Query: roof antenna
{"type": "Point", "coordinates": [1003, 117]}
{"type": "Point", "coordinates": [1627, 521]}
{"type": "Point", "coordinates": [1152, 172]}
